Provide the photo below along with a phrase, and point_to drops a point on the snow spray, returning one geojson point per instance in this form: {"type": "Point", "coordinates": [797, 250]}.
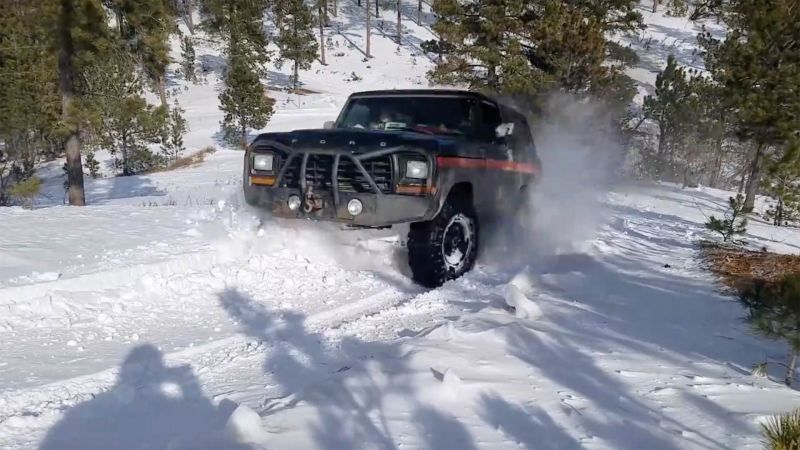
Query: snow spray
{"type": "Point", "coordinates": [581, 152]}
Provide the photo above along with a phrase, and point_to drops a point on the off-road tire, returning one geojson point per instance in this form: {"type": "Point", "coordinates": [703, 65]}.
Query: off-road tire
{"type": "Point", "coordinates": [426, 254]}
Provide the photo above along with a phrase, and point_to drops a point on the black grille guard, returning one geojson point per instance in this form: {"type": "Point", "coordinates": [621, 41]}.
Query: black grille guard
{"type": "Point", "coordinates": [338, 154]}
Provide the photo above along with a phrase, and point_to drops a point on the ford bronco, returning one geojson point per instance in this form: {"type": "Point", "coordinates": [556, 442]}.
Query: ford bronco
{"type": "Point", "coordinates": [442, 160]}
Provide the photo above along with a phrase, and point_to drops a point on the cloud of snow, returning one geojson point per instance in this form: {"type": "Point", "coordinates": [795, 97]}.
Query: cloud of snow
{"type": "Point", "coordinates": [580, 152]}
{"type": "Point", "coordinates": [256, 231]}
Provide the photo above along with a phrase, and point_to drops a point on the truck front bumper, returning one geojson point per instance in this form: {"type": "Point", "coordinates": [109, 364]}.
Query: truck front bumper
{"type": "Point", "coordinates": [380, 208]}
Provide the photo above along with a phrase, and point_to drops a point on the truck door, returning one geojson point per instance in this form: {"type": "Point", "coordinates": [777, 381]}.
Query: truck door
{"type": "Point", "coordinates": [503, 181]}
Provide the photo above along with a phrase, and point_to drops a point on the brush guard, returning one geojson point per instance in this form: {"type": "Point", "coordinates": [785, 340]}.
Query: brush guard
{"type": "Point", "coordinates": [312, 201]}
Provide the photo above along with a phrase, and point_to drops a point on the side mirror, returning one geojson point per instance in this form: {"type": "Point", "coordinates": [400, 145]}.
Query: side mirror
{"type": "Point", "coordinates": [504, 130]}
{"type": "Point", "coordinates": [328, 125]}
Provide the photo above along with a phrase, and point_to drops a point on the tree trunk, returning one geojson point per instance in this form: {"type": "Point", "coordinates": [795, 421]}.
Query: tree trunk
{"type": "Point", "coordinates": [162, 90]}
{"type": "Point", "coordinates": [662, 140]}
{"type": "Point", "coordinates": [296, 76]}
{"type": "Point", "coordinates": [742, 180]}
{"type": "Point", "coordinates": [335, 9]}
{"type": "Point", "coordinates": [321, 38]}
{"type": "Point", "coordinates": [655, 6]}
{"type": "Point", "coordinates": [419, 13]}
{"type": "Point", "coordinates": [126, 168]}
{"type": "Point", "coordinates": [118, 17]}
{"type": "Point", "coordinates": [686, 172]}
{"type": "Point", "coordinates": [188, 7]}
{"type": "Point", "coordinates": [399, 24]}
{"type": "Point", "coordinates": [492, 78]}
{"type": "Point", "coordinates": [66, 81]}
{"type": "Point", "coordinates": [244, 136]}
{"type": "Point", "coordinates": [751, 190]}
{"type": "Point", "coordinates": [790, 370]}
{"type": "Point", "coordinates": [717, 169]}
{"type": "Point", "coordinates": [368, 49]}
{"type": "Point", "coordinates": [377, 13]}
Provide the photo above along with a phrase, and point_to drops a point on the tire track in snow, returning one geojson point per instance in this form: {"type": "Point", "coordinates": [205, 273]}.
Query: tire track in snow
{"type": "Point", "coordinates": [216, 355]}
{"type": "Point", "coordinates": [216, 360]}
{"type": "Point", "coordinates": [174, 293]}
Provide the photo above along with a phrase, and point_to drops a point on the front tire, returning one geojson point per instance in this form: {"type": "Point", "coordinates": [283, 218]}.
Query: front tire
{"type": "Point", "coordinates": [446, 247]}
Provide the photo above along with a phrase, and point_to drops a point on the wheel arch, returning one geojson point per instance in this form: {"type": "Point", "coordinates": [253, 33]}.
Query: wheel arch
{"type": "Point", "coordinates": [463, 191]}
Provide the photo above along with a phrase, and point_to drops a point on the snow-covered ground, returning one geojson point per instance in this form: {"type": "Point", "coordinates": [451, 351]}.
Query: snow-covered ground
{"type": "Point", "coordinates": [168, 315]}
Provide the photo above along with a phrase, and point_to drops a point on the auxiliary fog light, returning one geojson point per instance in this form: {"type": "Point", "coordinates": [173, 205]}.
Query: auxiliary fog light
{"type": "Point", "coordinates": [354, 207]}
{"type": "Point", "coordinates": [294, 202]}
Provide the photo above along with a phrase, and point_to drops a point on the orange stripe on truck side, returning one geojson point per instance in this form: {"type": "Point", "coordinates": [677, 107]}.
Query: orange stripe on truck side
{"type": "Point", "coordinates": [455, 162]}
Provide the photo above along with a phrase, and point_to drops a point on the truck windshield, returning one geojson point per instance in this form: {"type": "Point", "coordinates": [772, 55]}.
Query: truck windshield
{"type": "Point", "coordinates": [434, 115]}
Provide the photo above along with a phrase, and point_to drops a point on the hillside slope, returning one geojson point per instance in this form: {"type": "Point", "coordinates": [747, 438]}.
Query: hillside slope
{"type": "Point", "coordinates": [169, 315]}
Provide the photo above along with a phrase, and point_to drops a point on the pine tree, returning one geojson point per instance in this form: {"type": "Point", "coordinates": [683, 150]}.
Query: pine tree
{"type": "Point", "coordinates": [79, 38]}
{"type": "Point", "coordinates": [129, 128]}
{"type": "Point", "coordinates": [244, 100]}
{"type": "Point", "coordinates": [176, 128]}
{"type": "Point", "coordinates": [477, 30]}
{"type": "Point", "coordinates": [516, 46]}
{"type": "Point", "coordinates": [320, 14]}
{"type": "Point", "coordinates": [782, 183]}
{"type": "Point", "coordinates": [757, 66]}
{"type": "Point", "coordinates": [279, 8]}
{"type": "Point", "coordinates": [26, 191]}
{"type": "Point", "coordinates": [92, 164]}
{"type": "Point", "coordinates": [188, 56]}
{"type": "Point", "coordinates": [240, 23]}
{"type": "Point", "coordinates": [145, 26]}
{"type": "Point", "coordinates": [704, 9]}
{"type": "Point", "coordinates": [119, 117]}
{"type": "Point", "coordinates": [774, 312]}
{"type": "Point", "coordinates": [676, 108]}
{"type": "Point", "coordinates": [29, 101]}
{"type": "Point", "coordinates": [734, 222]}
{"type": "Point", "coordinates": [296, 38]}
{"type": "Point", "coordinates": [713, 125]}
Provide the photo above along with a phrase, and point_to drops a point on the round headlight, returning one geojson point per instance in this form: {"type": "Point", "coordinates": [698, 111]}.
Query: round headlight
{"type": "Point", "coordinates": [263, 161]}
{"type": "Point", "coordinates": [417, 170]}
{"type": "Point", "coordinates": [293, 202]}
{"type": "Point", "coordinates": [354, 207]}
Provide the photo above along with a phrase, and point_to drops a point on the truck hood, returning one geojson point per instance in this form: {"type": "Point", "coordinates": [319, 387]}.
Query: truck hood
{"type": "Point", "coordinates": [360, 140]}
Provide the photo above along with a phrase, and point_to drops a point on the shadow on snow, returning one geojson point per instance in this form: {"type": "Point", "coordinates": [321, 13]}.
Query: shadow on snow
{"type": "Point", "coordinates": [150, 406]}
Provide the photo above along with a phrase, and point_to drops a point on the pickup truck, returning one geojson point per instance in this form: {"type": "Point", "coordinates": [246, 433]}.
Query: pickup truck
{"type": "Point", "coordinates": [443, 161]}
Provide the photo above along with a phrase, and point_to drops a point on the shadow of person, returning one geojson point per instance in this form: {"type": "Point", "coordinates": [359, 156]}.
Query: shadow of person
{"type": "Point", "coordinates": [151, 406]}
